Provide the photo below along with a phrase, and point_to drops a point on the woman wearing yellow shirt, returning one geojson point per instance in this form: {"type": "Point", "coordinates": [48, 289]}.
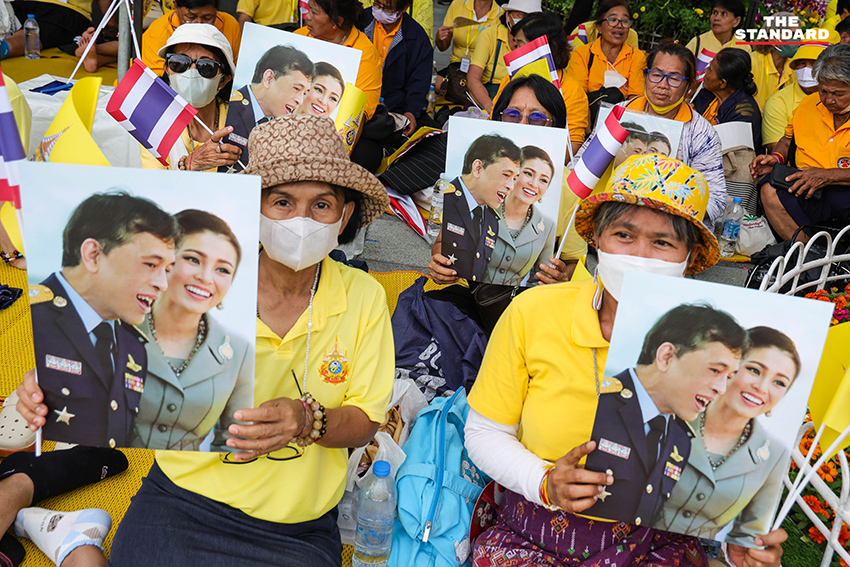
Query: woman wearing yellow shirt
{"type": "Point", "coordinates": [462, 41]}
{"type": "Point", "coordinates": [726, 15]}
{"type": "Point", "coordinates": [771, 71]}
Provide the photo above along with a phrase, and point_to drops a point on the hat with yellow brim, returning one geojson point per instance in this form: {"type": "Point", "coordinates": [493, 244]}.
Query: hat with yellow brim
{"type": "Point", "coordinates": [813, 49]}
{"type": "Point", "coordinates": [663, 184]}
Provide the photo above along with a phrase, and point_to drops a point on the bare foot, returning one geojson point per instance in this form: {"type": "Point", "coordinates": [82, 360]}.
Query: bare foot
{"type": "Point", "coordinates": [90, 63]}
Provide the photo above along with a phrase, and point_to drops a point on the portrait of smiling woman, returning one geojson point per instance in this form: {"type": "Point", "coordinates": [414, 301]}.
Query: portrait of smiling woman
{"type": "Point", "coordinates": [325, 91]}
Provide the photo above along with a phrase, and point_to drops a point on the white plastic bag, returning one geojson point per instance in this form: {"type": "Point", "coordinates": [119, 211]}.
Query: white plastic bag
{"type": "Point", "coordinates": [754, 235]}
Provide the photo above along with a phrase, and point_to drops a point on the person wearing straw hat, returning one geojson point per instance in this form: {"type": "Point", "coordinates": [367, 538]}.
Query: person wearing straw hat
{"type": "Point", "coordinates": [199, 66]}
{"type": "Point", "coordinates": [532, 371]}
{"type": "Point", "coordinates": [324, 351]}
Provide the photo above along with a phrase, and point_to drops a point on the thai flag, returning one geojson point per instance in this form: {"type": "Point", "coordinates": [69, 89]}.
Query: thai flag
{"type": "Point", "coordinates": [580, 35]}
{"type": "Point", "coordinates": [598, 155]}
{"type": "Point", "coordinates": [303, 7]}
{"type": "Point", "coordinates": [150, 110]}
{"type": "Point", "coordinates": [529, 53]}
{"type": "Point", "coordinates": [11, 150]}
{"type": "Point", "coordinates": [703, 59]}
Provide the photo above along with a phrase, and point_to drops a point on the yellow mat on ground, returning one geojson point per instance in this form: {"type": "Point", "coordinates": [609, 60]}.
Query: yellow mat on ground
{"type": "Point", "coordinates": [114, 494]}
{"type": "Point", "coordinates": [54, 62]}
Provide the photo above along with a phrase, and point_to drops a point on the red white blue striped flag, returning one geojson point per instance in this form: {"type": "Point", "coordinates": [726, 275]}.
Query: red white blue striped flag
{"type": "Point", "coordinates": [150, 110]}
{"type": "Point", "coordinates": [580, 35]}
{"type": "Point", "coordinates": [303, 7]}
{"type": "Point", "coordinates": [529, 53]}
{"type": "Point", "coordinates": [703, 59]}
{"type": "Point", "coordinates": [11, 149]}
{"type": "Point", "coordinates": [598, 155]}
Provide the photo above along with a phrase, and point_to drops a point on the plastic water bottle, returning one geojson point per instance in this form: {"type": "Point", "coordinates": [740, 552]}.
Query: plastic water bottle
{"type": "Point", "coordinates": [432, 102]}
{"type": "Point", "coordinates": [375, 518]}
{"type": "Point", "coordinates": [731, 227]}
{"type": "Point", "coordinates": [32, 38]}
{"type": "Point", "coordinates": [435, 220]}
{"type": "Point", "coordinates": [434, 74]}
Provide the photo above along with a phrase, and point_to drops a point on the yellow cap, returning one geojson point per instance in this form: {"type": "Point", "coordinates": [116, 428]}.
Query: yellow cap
{"type": "Point", "coordinates": [811, 50]}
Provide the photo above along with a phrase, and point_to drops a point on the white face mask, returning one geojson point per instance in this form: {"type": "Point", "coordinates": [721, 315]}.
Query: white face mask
{"type": "Point", "coordinates": [613, 267]}
{"type": "Point", "coordinates": [613, 79]}
{"type": "Point", "coordinates": [387, 18]}
{"type": "Point", "coordinates": [805, 78]}
{"type": "Point", "coordinates": [298, 242]}
{"type": "Point", "coordinates": [197, 90]}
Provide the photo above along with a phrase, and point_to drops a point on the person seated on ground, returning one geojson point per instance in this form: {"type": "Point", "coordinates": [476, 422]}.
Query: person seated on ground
{"type": "Point", "coordinates": [843, 31]}
{"type": "Point", "coordinates": [484, 13]}
{"type": "Point", "coordinates": [266, 12]}
{"type": "Point", "coordinates": [69, 539]}
{"type": "Point", "coordinates": [187, 12]}
{"type": "Point", "coordinates": [526, 100]}
{"type": "Point", "coordinates": [282, 77]}
{"type": "Point", "coordinates": [727, 92]}
{"type": "Point", "coordinates": [608, 69]}
{"type": "Point", "coordinates": [407, 62]}
{"type": "Point", "coordinates": [487, 68]}
{"type": "Point", "coordinates": [818, 193]}
{"type": "Point", "coordinates": [840, 14]}
{"type": "Point", "coordinates": [587, 32]}
{"type": "Point", "coordinates": [59, 23]}
{"type": "Point", "coordinates": [726, 16]}
{"type": "Point", "coordinates": [771, 65]}
{"type": "Point", "coordinates": [532, 369]}
{"type": "Point", "coordinates": [316, 310]}
{"type": "Point", "coordinates": [420, 10]}
{"type": "Point", "coordinates": [780, 107]}
{"type": "Point", "coordinates": [326, 90]}
{"type": "Point", "coordinates": [199, 55]}
{"type": "Point", "coordinates": [541, 24]}
{"type": "Point", "coordinates": [670, 74]}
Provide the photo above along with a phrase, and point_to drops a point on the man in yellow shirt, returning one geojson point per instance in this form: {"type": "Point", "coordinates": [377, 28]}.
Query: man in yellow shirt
{"type": "Point", "coordinates": [266, 13]}
{"type": "Point", "coordinates": [186, 12]}
{"type": "Point", "coordinates": [842, 10]}
{"type": "Point", "coordinates": [463, 39]}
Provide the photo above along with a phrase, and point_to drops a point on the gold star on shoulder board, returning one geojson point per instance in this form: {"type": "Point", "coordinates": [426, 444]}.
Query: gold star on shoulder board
{"type": "Point", "coordinates": [452, 259]}
{"type": "Point", "coordinates": [64, 415]}
{"type": "Point", "coordinates": [604, 494]}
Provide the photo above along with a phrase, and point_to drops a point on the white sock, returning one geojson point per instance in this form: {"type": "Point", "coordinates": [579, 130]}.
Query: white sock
{"type": "Point", "coordinates": [56, 534]}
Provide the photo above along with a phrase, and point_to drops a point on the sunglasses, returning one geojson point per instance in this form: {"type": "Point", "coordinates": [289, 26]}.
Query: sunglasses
{"type": "Point", "coordinates": [179, 63]}
{"type": "Point", "coordinates": [673, 79]}
{"type": "Point", "coordinates": [515, 116]}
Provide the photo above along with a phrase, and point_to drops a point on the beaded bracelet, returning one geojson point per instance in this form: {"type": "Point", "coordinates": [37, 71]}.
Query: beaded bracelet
{"type": "Point", "coordinates": [544, 491]}
{"type": "Point", "coordinates": [15, 255]}
{"type": "Point", "coordinates": [778, 157]}
{"type": "Point", "coordinates": [308, 420]}
{"type": "Point", "coordinates": [181, 165]}
{"type": "Point", "coordinates": [319, 423]}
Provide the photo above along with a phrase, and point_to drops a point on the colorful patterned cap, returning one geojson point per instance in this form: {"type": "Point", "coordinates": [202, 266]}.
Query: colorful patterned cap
{"type": "Point", "coordinates": [661, 183]}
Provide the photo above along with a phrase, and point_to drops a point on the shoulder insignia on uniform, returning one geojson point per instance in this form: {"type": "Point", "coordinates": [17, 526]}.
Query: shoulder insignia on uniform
{"type": "Point", "coordinates": [40, 294]}
{"type": "Point", "coordinates": [136, 331]}
{"type": "Point", "coordinates": [675, 455]}
{"type": "Point", "coordinates": [236, 96]}
{"type": "Point", "coordinates": [490, 231]}
{"type": "Point", "coordinates": [610, 386]}
{"type": "Point", "coordinates": [626, 393]}
{"type": "Point", "coordinates": [450, 188]}
{"type": "Point", "coordinates": [132, 365]}
{"type": "Point", "coordinates": [691, 432]}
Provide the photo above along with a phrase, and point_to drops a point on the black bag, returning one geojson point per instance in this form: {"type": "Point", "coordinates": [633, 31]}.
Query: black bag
{"type": "Point", "coordinates": [611, 95]}
{"type": "Point", "coordinates": [491, 301]}
{"type": "Point", "coordinates": [456, 88]}
{"type": "Point", "coordinates": [419, 167]}
{"type": "Point", "coordinates": [780, 172]}
{"type": "Point", "coordinates": [764, 258]}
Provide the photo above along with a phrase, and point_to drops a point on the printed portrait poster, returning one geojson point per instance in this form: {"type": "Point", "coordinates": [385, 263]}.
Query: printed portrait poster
{"type": "Point", "coordinates": [143, 302]}
{"type": "Point", "coordinates": [282, 73]}
{"type": "Point", "coordinates": [647, 134]}
{"type": "Point", "coordinates": [704, 389]}
{"type": "Point", "coordinates": [500, 205]}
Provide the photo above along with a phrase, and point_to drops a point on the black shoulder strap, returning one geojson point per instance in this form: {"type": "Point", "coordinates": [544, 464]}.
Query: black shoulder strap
{"type": "Point", "coordinates": [590, 62]}
{"type": "Point", "coordinates": [699, 40]}
{"type": "Point", "coordinates": [495, 61]}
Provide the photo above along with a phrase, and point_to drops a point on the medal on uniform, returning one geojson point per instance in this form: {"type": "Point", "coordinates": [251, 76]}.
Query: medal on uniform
{"type": "Point", "coordinates": [672, 470]}
{"type": "Point", "coordinates": [225, 350]}
{"type": "Point", "coordinates": [763, 452]}
{"type": "Point", "coordinates": [615, 449]}
{"type": "Point", "coordinates": [459, 230]}
{"type": "Point", "coordinates": [134, 383]}
{"type": "Point", "coordinates": [63, 364]}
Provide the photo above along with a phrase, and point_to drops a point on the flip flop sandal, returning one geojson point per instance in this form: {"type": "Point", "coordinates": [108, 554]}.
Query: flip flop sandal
{"type": "Point", "coordinates": [14, 433]}
{"type": "Point", "coordinates": [8, 296]}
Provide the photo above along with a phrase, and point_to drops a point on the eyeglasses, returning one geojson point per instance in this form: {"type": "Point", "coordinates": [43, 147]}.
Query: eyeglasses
{"type": "Point", "coordinates": [384, 7]}
{"type": "Point", "coordinates": [673, 79]}
{"type": "Point", "coordinates": [515, 116]}
{"type": "Point", "coordinates": [179, 63]}
{"type": "Point", "coordinates": [614, 20]}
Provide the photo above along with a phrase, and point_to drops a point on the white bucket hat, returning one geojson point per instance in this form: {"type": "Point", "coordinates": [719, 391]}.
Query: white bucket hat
{"type": "Point", "coordinates": [527, 6]}
{"type": "Point", "coordinates": [201, 34]}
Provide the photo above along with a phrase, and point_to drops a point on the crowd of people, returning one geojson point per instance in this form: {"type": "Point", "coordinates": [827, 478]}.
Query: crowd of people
{"type": "Point", "coordinates": [273, 431]}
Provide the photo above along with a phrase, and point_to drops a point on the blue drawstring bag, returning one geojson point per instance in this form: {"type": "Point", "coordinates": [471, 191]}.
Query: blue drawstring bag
{"type": "Point", "coordinates": [437, 489]}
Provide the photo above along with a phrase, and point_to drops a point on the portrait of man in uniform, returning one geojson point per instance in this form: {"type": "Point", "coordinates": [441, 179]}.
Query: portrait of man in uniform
{"type": "Point", "coordinates": [641, 432]}
{"type": "Point", "coordinates": [281, 80]}
{"type": "Point", "coordinates": [90, 358]}
{"type": "Point", "coordinates": [470, 222]}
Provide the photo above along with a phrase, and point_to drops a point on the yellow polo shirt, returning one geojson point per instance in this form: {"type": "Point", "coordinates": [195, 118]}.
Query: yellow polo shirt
{"type": "Point", "coordinates": [575, 99]}
{"type": "Point", "coordinates": [630, 63]}
{"type": "Point", "coordinates": [268, 13]}
{"type": "Point", "coordinates": [485, 53]}
{"type": "Point", "coordinates": [593, 34]}
{"type": "Point", "coordinates": [351, 326]}
{"type": "Point", "coordinates": [370, 74]}
{"type": "Point", "coordinates": [709, 41]}
{"type": "Point", "coordinates": [767, 79]}
{"type": "Point", "coordinates": [464, 39]}
{"type": "Point", "coordinates": [161, 29]}
{"type": "Point", "coordinates": [532, 371]}
{"type": "Point", "coordinates": [778, 112]}
{"type": "Point", "coordinates": [382, 40]}
{"type": "Point", "coordinates": [421, 10]}
{"type": "Point", "coordinates": [819, 144]}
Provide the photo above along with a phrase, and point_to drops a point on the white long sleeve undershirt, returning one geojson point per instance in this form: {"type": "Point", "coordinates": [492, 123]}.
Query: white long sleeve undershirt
{"type": "Point", "coordinates": [496, 450]}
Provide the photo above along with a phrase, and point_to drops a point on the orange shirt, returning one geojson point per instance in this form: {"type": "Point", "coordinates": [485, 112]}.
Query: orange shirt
{"type": "Point", "coordinates": [819, 144]}
{"type": "Point", "coordinates": [370, 74]}
{"type": "Point", "coordinates": [575, 100]}
{"type": "Point", "coordinates": [382, 40]}
{"type": "Point", "coordinates": [630, 63]}
{"type": "Point", "coordinates": [162, 28]}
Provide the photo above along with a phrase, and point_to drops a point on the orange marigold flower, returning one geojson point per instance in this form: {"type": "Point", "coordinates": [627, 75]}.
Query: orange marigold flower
{"type": "Point", "coordinates": [815, 535]}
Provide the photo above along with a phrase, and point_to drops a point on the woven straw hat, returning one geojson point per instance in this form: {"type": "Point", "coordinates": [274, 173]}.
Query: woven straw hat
{"type": "Point", "coordinates": [663, 184]}
{"type": "Point", "coordinates": [302, 147]}
{"type": "Point", "coordinates": [201, 34]}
